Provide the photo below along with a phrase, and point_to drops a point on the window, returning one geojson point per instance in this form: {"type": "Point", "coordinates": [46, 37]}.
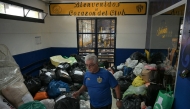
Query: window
{"type": "Point", "coordinates": [2, 8]}
{"type": "Point", "coordinates": [13, 10]}
{"type": "Point", "coordinates": [16, 11]}
{"type": "Point", "coordinates": [97, 35]}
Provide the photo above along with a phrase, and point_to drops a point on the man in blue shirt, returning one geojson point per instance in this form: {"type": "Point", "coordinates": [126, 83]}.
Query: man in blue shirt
{"type": "Point", "coordinates": [98, 82]}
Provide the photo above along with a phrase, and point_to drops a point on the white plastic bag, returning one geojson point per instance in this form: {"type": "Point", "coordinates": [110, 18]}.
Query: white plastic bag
{"type": "Point", "coordinates": [84, 104]}
{"type": "Point", "coordinates": [49, 103]}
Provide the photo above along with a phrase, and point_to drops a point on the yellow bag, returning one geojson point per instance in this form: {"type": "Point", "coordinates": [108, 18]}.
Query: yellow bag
{"type": "Point", "coordinates": [138, 81]}
{"type": "Point", "coordinates": [56, 60]}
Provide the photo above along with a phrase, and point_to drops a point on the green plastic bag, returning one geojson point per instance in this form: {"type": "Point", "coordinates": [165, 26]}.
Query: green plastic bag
{"type": "Point", "coordinates": [32, 105]}
{"type": "Point", "coordinates": [164, 100]}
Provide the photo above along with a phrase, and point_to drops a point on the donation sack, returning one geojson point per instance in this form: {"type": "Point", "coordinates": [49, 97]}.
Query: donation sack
{"type": "Point", "coordinates": [17, 94]}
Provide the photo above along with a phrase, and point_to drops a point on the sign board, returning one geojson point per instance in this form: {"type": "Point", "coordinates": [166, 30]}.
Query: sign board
{"type": "Point", "coordinates": [98, 8]}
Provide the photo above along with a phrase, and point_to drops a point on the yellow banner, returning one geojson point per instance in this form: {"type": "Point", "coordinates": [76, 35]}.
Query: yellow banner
{"type": "Point", "coordinates": [98, 8]}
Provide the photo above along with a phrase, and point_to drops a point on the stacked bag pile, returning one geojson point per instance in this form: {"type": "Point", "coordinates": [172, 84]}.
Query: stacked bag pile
{"type": "Point", "coordinates": [141, 80]}
{"type": "Point", "coordinates": [56, 82]}
{"type": "Point", "coordinates": [51, 89]}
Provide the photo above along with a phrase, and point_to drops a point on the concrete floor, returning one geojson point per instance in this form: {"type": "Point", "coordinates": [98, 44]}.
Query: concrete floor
{"type": "Point", "coordinates": [114, 103]}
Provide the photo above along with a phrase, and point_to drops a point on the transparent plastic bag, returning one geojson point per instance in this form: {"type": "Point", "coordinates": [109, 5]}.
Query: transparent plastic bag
{"type": "Point", "coordinates": [9, 69]}
{"type": "Point", "coordinates": [140, 90]}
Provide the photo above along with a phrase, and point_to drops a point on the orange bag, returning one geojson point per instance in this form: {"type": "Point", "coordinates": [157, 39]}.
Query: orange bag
{"type": "Point", "coordinates": [40, 96]}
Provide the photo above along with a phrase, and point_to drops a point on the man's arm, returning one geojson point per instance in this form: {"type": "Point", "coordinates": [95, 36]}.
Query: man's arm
{"type": "Point", "coordinates": [118, 96]}
{"type": "Point", "coordinates": [82, 89]}
{"type": "Point", "coordinates": [117, 91]}
{"type": "Point", "coordinates": [77, 93]}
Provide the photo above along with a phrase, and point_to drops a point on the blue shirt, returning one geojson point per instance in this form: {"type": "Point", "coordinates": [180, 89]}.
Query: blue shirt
{"type": "Point", "coordinates": [98, 85]}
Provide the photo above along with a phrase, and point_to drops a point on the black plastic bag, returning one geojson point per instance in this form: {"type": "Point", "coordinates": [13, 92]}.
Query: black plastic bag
{"type": "Point", "coordinates": [33, 84]}
{"type": "Point", "coordinates": [130, 77]}
{"type": "Point", "coordinates": [124, 84]}
{"type": "Point", "coordinates": [152, 93]}
{"type": "Point", "coordinates": [157, 58]}
{"type": "Point", "coordinates": [114, 93]}
{"type": "Point", "coordinates": [65, 66]}
{"type": "Point", "coordinates": [67, 103]}
{"type": "Point", "coordinates": [63, 75]}
{"type": "Point", "coordinates": [80, 65]}
{"type": "Point", "coordinates": [75, 86]}
{"type": "Point", "coordinates": [77, 78]}
{"type": "Point", "coordinates": [156, 76]}
{"type": "Point", "coordinates": [48, 65]}
{"type": "Point", "coordinates": [138, 56]}
{"type": "Point", "coordinates": [132, 101]}
{"type": "Point", "coordinates": [46, 76]}
{"type": "Point", "coordinates": [78, 58]}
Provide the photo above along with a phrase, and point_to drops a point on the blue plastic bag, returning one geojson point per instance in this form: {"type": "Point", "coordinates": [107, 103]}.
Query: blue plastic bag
{"type": "Point", "coordinates": [126, 70]}
{"type": "Point", "coordinates": [56, 87]}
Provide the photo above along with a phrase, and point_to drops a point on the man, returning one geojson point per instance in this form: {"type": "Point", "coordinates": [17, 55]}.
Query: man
{"type": "Point", "coordinates": [98, 82]}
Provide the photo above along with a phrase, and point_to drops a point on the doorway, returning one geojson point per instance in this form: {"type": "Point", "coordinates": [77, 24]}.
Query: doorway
{"type": "Point", "coordinates": [98, 36]}
{"type": "Point", "coordinates": [166, 33]}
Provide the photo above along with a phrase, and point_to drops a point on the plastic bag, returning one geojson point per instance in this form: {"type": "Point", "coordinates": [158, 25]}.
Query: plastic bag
{"type": "Point", "coordinates": [49, 103]}
{"type": "Point", "coordinates": [17, 94]}
{"type": "Point", "coordinates": [152, 93]}
{"type": "Point", "coordinates": [124, 84]}
{"type": "Point", "coordinates": [84, 104]}
{"type": "Point", "coordinates": [4, 104]}
{"type": "Point", "coordinates": [56, 87]}
{"type": "Point", "coordinates": [157, 58]}
{"type": "Point", "coordinates": [63, 75]}
{"type": "Point", "coordinates": [71, 60]}
{"type": "Point", "coordinates": [132, 101]}
{"type": "Point", "coordinates": [78, 58]}
{"type": "Point", "coordinates": [138, 81]}
{"type": "Point", "coordinates": [56, 60]}
{"type": "Point", "coordinates": [9, 69]}
{"type": "Point", "coordinates": [138, 56]}
{"type": "Point", "coordinates": [33, 84]}
{"type": "Point", "coordinates": [46, 76]}
{"type": "Point", "coordinates": [77, 75]}
{"type": "Point", "coordinates": [41, 95]}
{"type": "Point", "coordinates": [118, 74]}
{"type": "Point", "coordinates": [67, 103]}
{"type": "Point", "coordinates": [141, 90]}
{"type": "Point", "coordinates": [65, 66]}
{"type": "Point", "coordinates": [32, 105]}
{"type": "Point", "coordinates": [127, 70]}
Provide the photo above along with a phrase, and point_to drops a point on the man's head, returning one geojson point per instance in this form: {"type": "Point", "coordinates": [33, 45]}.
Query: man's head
{"type": "Point", "coordinates": [91, 62]}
